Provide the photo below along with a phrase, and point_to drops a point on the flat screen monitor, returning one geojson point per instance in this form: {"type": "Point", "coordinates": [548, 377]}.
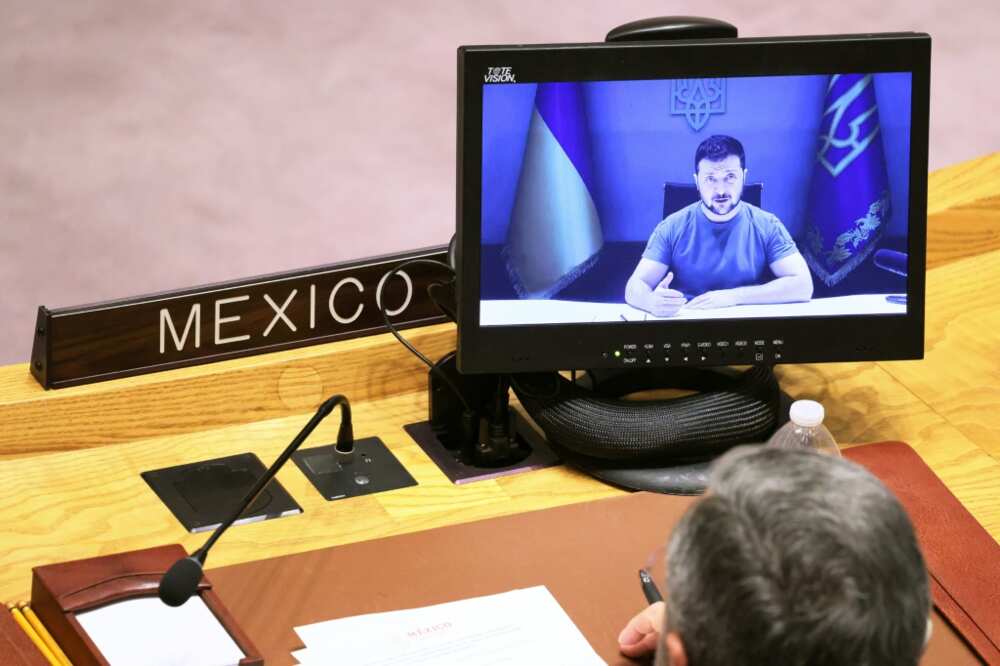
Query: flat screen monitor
{"type": "Point", "coordinates": [692, 203]}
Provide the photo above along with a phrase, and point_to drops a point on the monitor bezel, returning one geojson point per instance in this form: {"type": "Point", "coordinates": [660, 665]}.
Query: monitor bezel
{"type": "Point", "coordinates": [546, 347]}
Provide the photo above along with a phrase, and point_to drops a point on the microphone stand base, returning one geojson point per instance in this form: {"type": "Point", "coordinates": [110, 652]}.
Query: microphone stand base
{"type": "Point", "coordinates": [371, 469]}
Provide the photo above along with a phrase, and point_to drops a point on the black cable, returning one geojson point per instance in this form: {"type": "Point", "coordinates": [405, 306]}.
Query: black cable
{"type": "Point", "coordinates": [605, 426]}
{"type": "Point", "coordinates": [403, 341]}
{"type": "Point", "coordinates": [538, 396]}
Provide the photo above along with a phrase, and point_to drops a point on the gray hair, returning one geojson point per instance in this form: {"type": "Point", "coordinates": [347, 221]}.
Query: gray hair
{"type": "Point", "coordinates": [795, 557]}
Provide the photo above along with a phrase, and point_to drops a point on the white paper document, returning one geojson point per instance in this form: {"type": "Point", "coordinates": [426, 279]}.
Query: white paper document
{"type": "Point", "coordinates": [147, 631]}
{"type": "Point", "coordinates": [519, 627]}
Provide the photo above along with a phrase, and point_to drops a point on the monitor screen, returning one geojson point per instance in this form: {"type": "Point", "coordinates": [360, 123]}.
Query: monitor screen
{"type": "Point", "coordinates": [692, 215]}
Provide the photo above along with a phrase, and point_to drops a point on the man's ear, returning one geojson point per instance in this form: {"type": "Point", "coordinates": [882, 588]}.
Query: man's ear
{"type": "Point", "coordinates": [695, 176]}
{"type": "Point", "coordinates": [676, 656]}
{"type": "Point", "coordinates": [745, 172]}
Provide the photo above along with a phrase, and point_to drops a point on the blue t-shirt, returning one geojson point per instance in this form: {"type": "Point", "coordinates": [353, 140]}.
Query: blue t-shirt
{"type": "Point", "coordinates": [705, 255]}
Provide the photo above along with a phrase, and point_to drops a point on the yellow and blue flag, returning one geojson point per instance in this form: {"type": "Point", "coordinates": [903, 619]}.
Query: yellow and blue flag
{"type": "Point", "coordinates": [555, 233]}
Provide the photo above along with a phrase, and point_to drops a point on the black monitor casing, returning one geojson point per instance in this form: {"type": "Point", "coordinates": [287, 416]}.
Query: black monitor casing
{"type": "Point", "coordinates": [546, 347]}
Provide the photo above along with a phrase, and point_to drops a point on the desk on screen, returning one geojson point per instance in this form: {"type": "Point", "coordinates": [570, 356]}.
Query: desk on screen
{"type": "Point", "coordinates": [540, 311]}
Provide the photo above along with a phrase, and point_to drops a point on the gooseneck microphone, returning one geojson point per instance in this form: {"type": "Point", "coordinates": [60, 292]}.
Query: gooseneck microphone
{"type": "Point", "coordinates": [181, 580]}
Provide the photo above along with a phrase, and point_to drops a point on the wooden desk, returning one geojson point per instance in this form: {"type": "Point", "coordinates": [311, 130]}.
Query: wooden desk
{"type": "Point", "coordinates": [600, 591]}
{"type": "Point", "coordinates": [71, 458]}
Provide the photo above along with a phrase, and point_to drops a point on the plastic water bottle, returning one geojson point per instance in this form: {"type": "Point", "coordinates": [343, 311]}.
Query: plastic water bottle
{"type": "Point", "coordinates": [805, 430]}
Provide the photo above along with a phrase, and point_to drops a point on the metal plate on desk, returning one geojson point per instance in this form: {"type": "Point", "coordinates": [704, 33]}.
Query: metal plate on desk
{"type": "Point", "coordinates": [201, 495]}
{"type": "Point", "coordinates": [371, 469]}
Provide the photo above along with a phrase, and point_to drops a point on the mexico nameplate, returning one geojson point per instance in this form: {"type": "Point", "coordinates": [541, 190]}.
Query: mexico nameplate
{"type": "Point", "coordinates": [84, 344]}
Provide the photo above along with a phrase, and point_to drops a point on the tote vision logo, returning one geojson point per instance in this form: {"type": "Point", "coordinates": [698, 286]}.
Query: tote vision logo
{"type": "Point", "coordinates": [499, 75]}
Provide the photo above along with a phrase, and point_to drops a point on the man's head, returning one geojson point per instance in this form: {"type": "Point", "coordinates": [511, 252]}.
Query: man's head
{"type": "Point", "coordinates": [795, 557]}
{"type": "Point", "coordinates": [719, 172]}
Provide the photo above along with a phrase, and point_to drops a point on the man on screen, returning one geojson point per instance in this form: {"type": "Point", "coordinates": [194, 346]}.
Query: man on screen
{"type": "Point", "coordinates": [713, 253]}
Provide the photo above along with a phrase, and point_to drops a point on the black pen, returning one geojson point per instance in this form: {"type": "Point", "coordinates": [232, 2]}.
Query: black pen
{"type": "Point", "coordinates": [649, 587]}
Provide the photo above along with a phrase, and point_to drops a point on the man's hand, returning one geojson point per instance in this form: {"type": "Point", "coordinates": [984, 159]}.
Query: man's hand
{"type": "Point", "coordinates": [664, 301]}
{"type": "Point", "coordinates": [642, 633]}
{"type": "Point", "coordinates": [723, 298]}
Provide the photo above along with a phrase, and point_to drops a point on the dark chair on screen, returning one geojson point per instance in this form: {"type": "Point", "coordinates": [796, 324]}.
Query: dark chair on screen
{"type": "Point", "coordinates": [678, 195]}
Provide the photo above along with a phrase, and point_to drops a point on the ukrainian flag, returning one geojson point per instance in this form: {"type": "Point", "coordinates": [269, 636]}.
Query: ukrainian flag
{"type": "Point", "coordinates": [554, 234]}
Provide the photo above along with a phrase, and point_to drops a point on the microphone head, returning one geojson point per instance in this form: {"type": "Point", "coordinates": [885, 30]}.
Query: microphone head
{"type": "Point", "coordinates": [892, 261]}
{"type": "Point", "coordinates": [180, 582]}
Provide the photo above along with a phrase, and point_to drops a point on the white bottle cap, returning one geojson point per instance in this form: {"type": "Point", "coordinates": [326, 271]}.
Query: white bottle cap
{"type": "Point", "coordinates": [806, 413]}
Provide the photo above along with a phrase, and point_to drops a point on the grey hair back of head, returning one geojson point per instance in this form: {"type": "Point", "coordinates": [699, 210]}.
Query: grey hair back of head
{"type": "Point", "coordinates": [792, 558]}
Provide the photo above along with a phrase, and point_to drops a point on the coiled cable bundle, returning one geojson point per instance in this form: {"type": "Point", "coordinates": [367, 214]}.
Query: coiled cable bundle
{"type": "Point", "coordinates": [599, 423]}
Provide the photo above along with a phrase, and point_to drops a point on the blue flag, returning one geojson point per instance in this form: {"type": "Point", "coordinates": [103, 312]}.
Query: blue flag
{"type": "Point", "coordinates": [849, 203]}
{"type": "Point", "coordinates": [555, 233]}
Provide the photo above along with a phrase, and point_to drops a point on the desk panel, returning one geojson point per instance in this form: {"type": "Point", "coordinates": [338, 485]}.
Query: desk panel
{"type": "Point", "coordinates": [587, 559]}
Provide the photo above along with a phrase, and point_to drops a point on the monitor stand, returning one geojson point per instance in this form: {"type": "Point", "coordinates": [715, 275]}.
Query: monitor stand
{"type": "Point", "coordinates": [477, 435]}
{"type": "Point", "coordinates": [662, 445]}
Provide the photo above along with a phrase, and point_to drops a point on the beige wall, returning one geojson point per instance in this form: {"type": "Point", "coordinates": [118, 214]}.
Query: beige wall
{"type": "Point", "coordinates": [150, 145]}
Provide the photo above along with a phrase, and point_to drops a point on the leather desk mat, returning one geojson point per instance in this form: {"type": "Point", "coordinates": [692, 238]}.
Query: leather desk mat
{"type": "Point", "coordinates": [586, 554]}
